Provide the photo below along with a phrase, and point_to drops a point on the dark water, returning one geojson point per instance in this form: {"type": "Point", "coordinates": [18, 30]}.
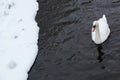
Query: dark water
{"type": "Point", "coordinates": [66, 51]}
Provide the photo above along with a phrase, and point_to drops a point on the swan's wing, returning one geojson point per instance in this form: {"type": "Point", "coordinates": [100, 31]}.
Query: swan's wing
{"type": "Point", "coordinates": [104, 28]}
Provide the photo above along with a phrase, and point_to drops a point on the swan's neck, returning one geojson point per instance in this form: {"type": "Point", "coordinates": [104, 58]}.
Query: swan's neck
{"type": "Point", "coordinates": [97, 34]}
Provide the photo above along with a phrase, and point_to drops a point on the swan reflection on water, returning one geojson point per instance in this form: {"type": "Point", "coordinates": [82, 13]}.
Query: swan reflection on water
{"type": "Point", "coordinates": [100, 53]}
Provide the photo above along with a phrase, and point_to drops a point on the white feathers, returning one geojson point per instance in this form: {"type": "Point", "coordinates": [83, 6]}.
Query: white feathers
{"type": "Point", "coordinates": [102, 30]}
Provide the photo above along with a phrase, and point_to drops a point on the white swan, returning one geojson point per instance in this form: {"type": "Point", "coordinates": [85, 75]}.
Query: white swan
{"type": "Point", "coordinates": [100, 30]}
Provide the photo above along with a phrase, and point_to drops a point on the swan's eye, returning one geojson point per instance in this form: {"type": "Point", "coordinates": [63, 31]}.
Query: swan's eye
{"type": "Point", "coordinates": [93, 28]}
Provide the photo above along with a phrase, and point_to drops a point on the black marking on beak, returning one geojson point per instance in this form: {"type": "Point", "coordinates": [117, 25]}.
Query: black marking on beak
{"type": "Point", "coordinates": [93, 28]}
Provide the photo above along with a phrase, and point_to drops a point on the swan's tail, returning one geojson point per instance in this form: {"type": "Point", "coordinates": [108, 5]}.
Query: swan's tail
{"type": "Point", "coordinates": [104, 17]}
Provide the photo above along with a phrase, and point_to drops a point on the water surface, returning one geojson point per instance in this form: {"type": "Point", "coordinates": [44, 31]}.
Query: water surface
{"type": "Point", "coordinates": [66, 51]}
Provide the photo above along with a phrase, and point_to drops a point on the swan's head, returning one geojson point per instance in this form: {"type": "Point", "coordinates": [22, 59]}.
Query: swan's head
{"type": "Point", "coordinates": [94, 25]}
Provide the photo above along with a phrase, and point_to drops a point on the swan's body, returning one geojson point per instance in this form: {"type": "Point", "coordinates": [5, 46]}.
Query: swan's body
{"type": "Point", "coordinates": [100, 30]}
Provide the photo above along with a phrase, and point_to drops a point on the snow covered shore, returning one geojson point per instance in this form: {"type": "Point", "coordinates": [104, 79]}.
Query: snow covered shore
{"type": "Point", "coordinates": [18, 38]}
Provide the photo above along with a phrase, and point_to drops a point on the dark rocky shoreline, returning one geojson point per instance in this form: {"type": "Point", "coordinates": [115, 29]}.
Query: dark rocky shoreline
{"type": "Point", "coordinates": [66, 51]}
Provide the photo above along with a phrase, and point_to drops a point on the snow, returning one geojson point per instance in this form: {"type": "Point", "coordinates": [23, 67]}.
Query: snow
{"type": "Point", "coordinates": [18, 38]}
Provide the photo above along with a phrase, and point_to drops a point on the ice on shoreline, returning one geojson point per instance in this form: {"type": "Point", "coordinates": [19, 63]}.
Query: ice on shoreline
{"type": "Point", "coordinates": [18, 38]}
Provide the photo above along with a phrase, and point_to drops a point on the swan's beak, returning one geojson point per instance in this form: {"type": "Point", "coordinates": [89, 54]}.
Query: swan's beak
{"type": "Point", "coordinates": [93, 28]}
